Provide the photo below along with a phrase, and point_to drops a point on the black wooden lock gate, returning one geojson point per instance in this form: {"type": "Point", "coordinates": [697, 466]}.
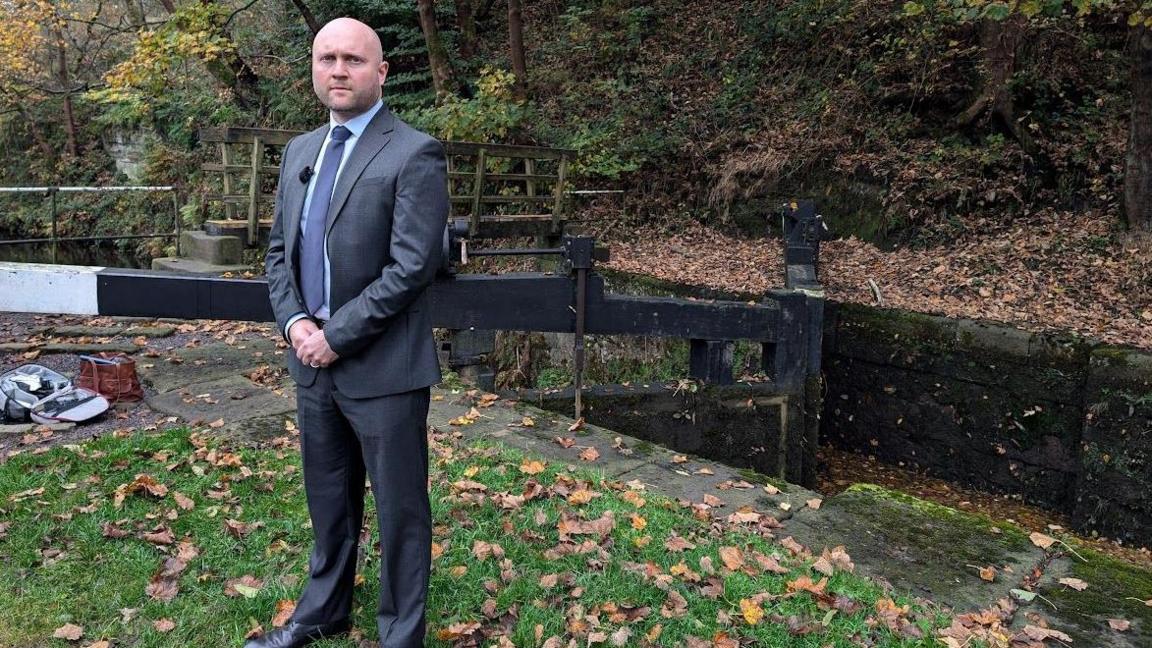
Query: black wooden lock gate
{"type": "Point", "coordinates": [786, 322]}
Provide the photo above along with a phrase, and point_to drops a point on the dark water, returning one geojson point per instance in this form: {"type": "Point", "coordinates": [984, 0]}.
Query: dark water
{"type": "Point", "coordinates": [73, 253]}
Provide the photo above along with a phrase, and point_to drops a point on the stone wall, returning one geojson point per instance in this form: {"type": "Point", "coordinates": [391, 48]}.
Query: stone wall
{"type": "Point", "coordinates": [1114, 491]}
{"type": "Point", "coordinates": [1053, 418]}
{"type": "Point", "coordinates": [744, 425]}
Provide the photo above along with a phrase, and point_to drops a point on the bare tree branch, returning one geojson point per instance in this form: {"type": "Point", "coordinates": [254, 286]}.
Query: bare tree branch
{"type": "Point", "coordinates": [309, 18]}
{"type": "Point", "coordinates": [246, 7]}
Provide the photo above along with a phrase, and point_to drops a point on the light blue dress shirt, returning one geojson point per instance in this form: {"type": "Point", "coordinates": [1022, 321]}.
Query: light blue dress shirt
{"type": "Point", "coordinates": [356, 127]}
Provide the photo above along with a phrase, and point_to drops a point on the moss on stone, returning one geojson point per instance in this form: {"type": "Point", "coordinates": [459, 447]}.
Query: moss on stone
{"type": "Point", "coordinates": [1116, 590]}
{"type": "Point", "coordinates": [749, 475]}
{"type": "Point", "coordinates": [645, 448]}
{"type": "Point", "coordinates": [954, 526]}
{"type": "Point", "coordinates": [917, 331]}
{"type": "Point", "coordinates": [1069, 351]}
{"type": "Point", "coordinates": [1112, 356]}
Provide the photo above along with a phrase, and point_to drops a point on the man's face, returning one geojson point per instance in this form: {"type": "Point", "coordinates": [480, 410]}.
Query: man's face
{"type": "Point", "coordinates": [347, 70]}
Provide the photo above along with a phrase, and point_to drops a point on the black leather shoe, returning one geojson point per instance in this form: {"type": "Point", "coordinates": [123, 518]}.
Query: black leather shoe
{"type": "Point", "coordinates": [298, 635]}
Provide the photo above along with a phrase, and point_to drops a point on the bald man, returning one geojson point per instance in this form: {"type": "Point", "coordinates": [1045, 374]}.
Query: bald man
{"type": "Point", "coordinates": [360, 215]}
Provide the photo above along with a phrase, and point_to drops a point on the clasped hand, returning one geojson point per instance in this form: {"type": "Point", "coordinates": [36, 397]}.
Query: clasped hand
{"type": "Point", "coordinates": [310, 344]}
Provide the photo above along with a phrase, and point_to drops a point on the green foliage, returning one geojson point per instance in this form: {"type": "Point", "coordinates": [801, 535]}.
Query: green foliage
{"type": "Point", "coordinates": [598, 152]}
{"type": "Point", "coordinates": [194, 32]}
{"type": "Point", "coordinates": [611, 32]}
{"type": "Point", "coordinates": [490, 116]}
{"type": "Point", "coordinates": [551, 377]}
{"type": "Point", "coordinates": [1137, 11]}
{"type": "Point", "coordinates": [452, 380]}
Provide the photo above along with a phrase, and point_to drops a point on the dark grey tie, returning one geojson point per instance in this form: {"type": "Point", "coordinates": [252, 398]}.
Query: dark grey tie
{"type": "Point", "coordinates": [312, 247]}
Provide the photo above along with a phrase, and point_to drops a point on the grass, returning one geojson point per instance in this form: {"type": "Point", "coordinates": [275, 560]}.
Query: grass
{"type": "Point", "coordinates": [58, 566]}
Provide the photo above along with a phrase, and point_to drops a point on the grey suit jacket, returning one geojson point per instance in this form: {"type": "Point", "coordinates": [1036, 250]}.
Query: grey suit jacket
{"type": "Point", "coordinates": [385, 230]}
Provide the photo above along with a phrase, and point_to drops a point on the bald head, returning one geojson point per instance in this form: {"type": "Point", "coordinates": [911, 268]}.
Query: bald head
{"type": "Point", "coordinates": [348, 67]}
{"type": "Point", "coordinates": [350, 28]}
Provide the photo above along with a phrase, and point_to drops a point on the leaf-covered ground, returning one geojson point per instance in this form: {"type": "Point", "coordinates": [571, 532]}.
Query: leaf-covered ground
{"type": "Point", "coordinates": [170, 539]}
{"type": "Point", "coordinates": [1051, 271]}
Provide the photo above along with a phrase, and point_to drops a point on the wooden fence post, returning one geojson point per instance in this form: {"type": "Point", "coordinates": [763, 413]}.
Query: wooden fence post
{"type": "Point", "coordinates": [478, 192]}
{"type": "Point", "coordinates": [254, 191]}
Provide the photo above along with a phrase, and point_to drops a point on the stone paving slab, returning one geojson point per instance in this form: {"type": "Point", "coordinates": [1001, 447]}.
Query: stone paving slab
{"type": "Point", "coordinates": [206, 363]}
{"type": "Point", "coordinates": [620, 456]}
{"type": "Point", "coordinates": [59, 347]}
{"type": "Point", "coordinates": [614, 467]}
{"type": "Point", "coordinates": [112, 331]}
{"type": "Point", "coordinates": [79, 331]}
{"type": "Point", "coordinates": [233, 398]}
{"type": "Point", "coordinates": [26, 428]}
{"type": "Point", "coordinates": [159, 331]}
{"type": "Point", "coordinates": [257, 429]}
{"type": "Point", "coordinates": [921, 548]}
{"type": "Point", "coordinates": [504, 423]}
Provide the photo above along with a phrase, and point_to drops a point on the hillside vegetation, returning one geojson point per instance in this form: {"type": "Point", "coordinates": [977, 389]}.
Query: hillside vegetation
{"type": "Point", "coordinates": [911, 124]}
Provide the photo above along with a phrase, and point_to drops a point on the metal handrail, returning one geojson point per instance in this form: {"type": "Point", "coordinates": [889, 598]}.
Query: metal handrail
{"type": "Point", "coordinates": [51, 191]}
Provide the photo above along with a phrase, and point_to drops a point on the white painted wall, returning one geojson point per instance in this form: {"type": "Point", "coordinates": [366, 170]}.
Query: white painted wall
{"type": "Point", "coordinates": [47, 288]}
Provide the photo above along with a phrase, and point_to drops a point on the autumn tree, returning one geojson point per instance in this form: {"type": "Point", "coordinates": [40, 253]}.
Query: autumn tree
{"type": "Point", "coordinates": [52, 52]}
{"type": "Point", "coordinates": [1002, 28]}
{"type": "Point", "coordinates": [195, 31]}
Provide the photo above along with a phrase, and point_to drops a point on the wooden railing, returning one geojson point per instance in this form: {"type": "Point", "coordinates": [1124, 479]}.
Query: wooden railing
{"type": "Point", "coordinates": [503, 190]}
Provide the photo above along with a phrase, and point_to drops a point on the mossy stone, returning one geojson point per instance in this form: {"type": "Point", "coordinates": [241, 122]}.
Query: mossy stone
{"type": "Point", "coordinates": [1116, 590]}
{"type": "Point", "coordinates": [918, 546]}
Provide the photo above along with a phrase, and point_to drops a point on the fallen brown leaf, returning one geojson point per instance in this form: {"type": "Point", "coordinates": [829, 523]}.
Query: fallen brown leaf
{"type": "Point", "coordinates": [1119, 625]}
{"type": "Point", "coordinates": [164, 626]}
{"type": "Point", "coordinates": [1074, 583]}
{"type": "Point", "coordinates": [284, 610]}
{"type": "Point", "coordinates": [732, 557]}
{"type": "Point", "coordinates": [676, 543]}
{"type": "Point", "coordinates": [69, 631]}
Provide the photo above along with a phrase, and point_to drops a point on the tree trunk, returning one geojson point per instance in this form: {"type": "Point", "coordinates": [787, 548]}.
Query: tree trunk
{"type": "Point", "coordinates": [235, 72]}
{"type": "Point", "coordinates": [37, 133]}
{"type": "Point", "coordinates": [466, 23]}
{"type": "Point", "coordinates": [1138, 158]}
{"type": "Point", "coordinates": [1000, 43]}
{"type": "Point", "coordinates": [516, 47]}
{"type": "Point", "coordinates": [62, 78]}
{"type": "Point", "coordinates": [437, 54]}
{"type": "Point", "coordinates": [309, 17]}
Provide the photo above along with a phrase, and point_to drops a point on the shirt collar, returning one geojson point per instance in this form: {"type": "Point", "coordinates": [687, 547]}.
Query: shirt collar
{"type": "Point", "coordinates": [358, 123]}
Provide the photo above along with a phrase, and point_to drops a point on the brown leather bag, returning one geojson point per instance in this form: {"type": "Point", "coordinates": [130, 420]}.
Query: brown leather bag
{"type": "Point", "coordinates": [112, 375]}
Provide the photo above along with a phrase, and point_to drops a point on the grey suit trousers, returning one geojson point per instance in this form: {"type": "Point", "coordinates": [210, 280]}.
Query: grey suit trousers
{"type": "Point", "coordinates": [343, 440]}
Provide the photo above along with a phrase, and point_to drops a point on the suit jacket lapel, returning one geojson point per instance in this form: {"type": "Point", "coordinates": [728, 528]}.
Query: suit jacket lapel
{"type": "Point", "coordinates": [374, 138]}
{"type": "Point", "coordinates": [304, 155]}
